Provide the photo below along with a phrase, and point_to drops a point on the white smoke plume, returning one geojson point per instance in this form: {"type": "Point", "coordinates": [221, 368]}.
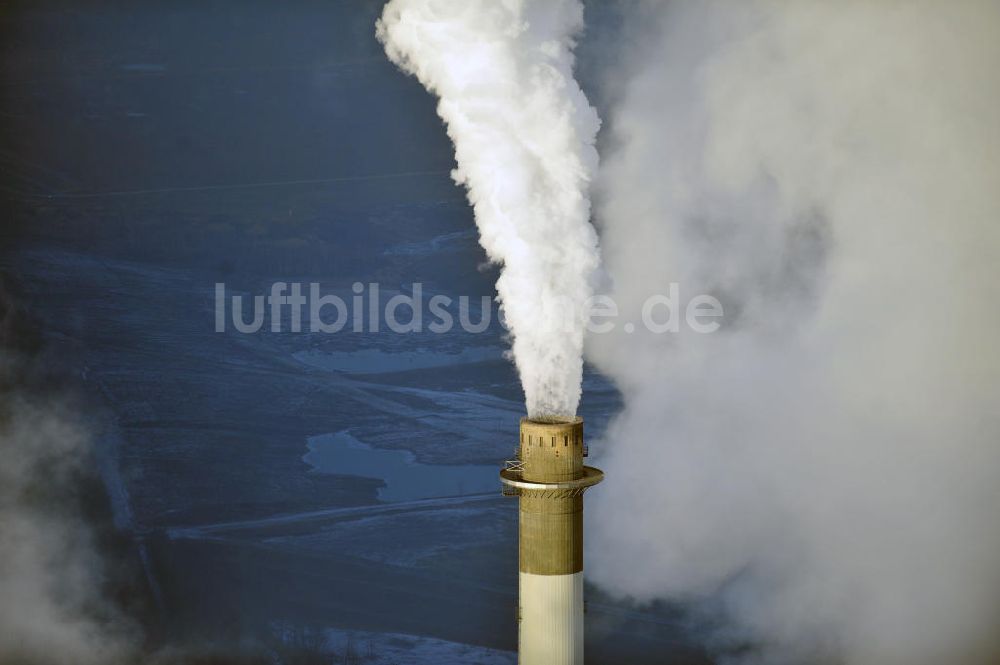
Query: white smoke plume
{"type": "Point", "coordinates": [524, 143]}
{"type": "Point", "coordinates": [824, 470]}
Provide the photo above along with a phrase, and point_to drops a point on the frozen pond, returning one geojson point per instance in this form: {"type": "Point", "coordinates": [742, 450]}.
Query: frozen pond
{"type": "Point", "coordinates": [405, 479]}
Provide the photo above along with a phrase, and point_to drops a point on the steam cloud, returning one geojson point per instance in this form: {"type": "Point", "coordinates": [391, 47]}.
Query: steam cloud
{"type": "Point", "coordinates": [53, 608]}
{"type": "Point", "coordinates": [54, 605]}
{"type": "Point", "coordinates": [823, 472]}
{"type": "Point", "coordinates": [524, 142]}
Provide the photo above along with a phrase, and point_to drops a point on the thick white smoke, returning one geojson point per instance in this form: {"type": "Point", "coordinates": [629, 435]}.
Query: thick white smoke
{"type": "Point", "coordinates": [524, 142]}
{"type": "Point", "coordinates": [826, 467]}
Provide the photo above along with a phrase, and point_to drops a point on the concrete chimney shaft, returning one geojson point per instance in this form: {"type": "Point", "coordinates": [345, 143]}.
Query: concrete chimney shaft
{"type": "Point", "coordinates": [549, 478]}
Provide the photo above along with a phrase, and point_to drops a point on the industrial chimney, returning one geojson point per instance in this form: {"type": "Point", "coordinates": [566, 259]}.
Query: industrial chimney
{"type": "Point", "coordinates": [549, 478]}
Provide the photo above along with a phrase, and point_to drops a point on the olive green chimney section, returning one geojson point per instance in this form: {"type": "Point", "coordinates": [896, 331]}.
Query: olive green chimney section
{"type": "Point", "coordinates": [552, 450]}
{"type": "Point", "coordinates": [551, 529]}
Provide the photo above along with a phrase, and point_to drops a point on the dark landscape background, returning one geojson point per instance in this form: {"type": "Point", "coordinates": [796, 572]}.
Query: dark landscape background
{"type": "Point", "coordinates": [149, 150]}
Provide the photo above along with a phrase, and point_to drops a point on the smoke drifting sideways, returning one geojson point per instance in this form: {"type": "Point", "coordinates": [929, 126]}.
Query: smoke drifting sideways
{"type": "Point", "coordinates": [822, 474]}
{"type": "Point", "coordinates": [524, 144]}
{"type": "Point", "coordinates": [72, 589]}
{"type": "Point", "coordinates": [55, 578]}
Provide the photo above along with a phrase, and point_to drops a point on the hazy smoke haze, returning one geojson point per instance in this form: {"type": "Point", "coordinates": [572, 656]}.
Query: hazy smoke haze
{"type": "Point", "coordinates": [54, 582]}
{"type": "Point", "coordinates": [53, 607]}
{"type": "Point", "coordinates": [823, 472]}
{"type": "Point", "coordinates": [523, 134]}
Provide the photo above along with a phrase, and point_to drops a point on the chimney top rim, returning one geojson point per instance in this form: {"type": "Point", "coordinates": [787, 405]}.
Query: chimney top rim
{"type": "Point", "coordinates": [551, 420]}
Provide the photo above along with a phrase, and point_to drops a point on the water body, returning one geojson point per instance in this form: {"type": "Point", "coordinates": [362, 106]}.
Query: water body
{"type": "Point", "coordinates": [405, 478]}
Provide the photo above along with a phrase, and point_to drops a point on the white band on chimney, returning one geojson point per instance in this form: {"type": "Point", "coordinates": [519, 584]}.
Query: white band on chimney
{"type": "Point", "coordinates": [551, 619]}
